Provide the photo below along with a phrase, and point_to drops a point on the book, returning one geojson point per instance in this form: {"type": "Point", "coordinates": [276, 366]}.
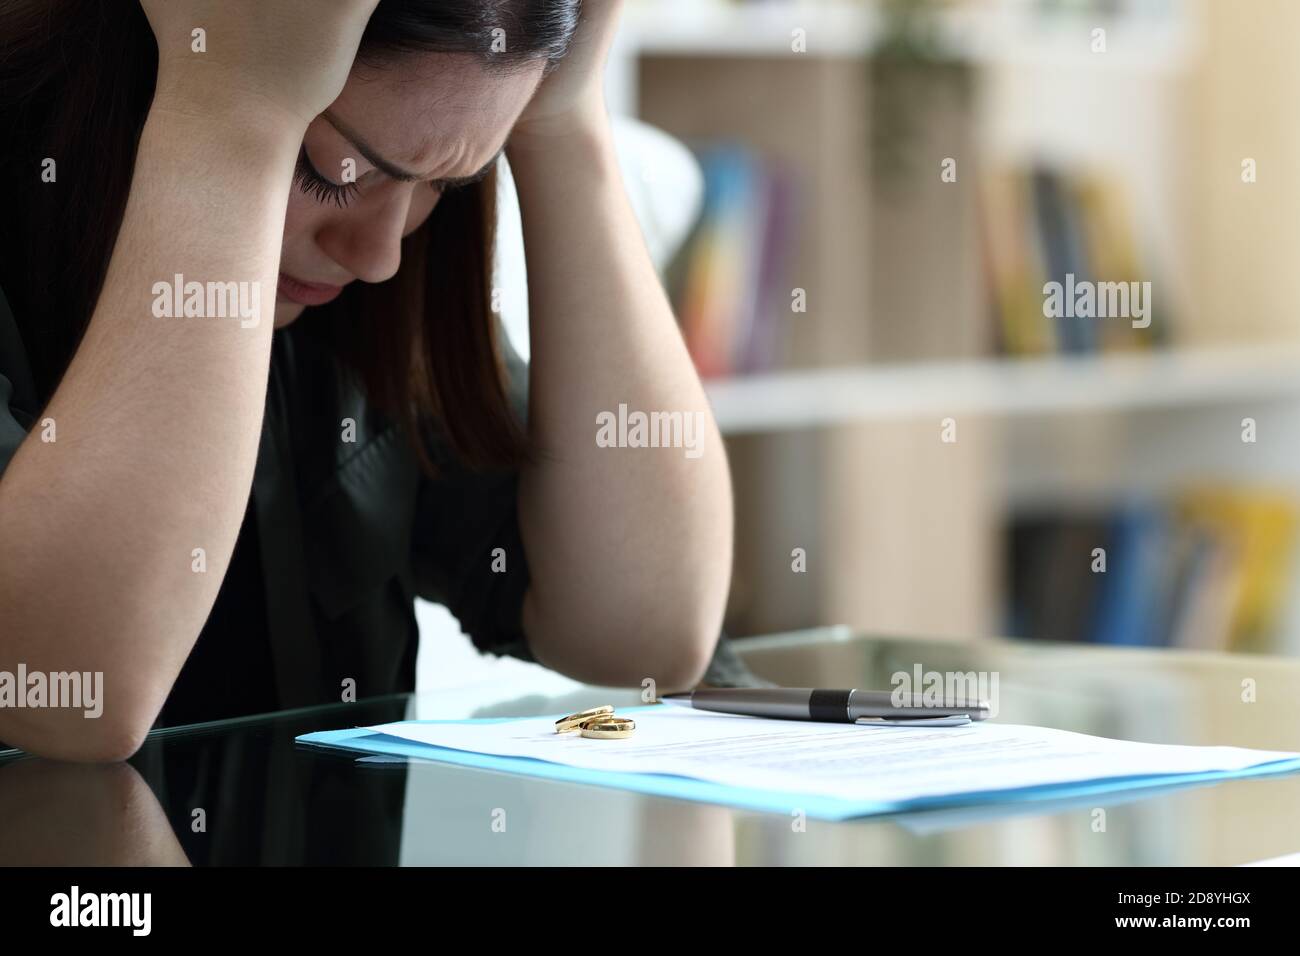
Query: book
{"type": "Point", "coordinates": [1077, 231]}
{"type": "Point", "coordinates": [729, 284]}
{"type": "Point", "coordinates": [1208, 569]}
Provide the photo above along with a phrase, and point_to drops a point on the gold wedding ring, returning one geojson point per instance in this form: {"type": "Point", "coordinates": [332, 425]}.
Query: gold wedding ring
{"type": "Point", "coordinates": [575, 721]}
{"type": "Point", "coordinates": [598, 723]}
{"type": "Point", "coordinates": [608, 728]}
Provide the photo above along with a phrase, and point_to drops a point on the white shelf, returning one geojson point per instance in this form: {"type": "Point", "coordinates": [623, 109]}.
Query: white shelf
{"type": "Point", "coordinates": [1004, 36]}
{"type": "Point", "coordinates": [1006, 387]}
{"type": "Point", "coordinates": [707, 27]}
{"type": "Point", "coordinates": [997, 34]}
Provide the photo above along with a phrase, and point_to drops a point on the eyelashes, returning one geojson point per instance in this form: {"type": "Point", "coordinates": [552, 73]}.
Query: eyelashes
{"type": "Point", "coordinates": [306, 178]}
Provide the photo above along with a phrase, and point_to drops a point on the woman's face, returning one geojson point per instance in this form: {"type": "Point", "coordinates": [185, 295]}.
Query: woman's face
{"type": "Point", "coordinates": [381, 152]}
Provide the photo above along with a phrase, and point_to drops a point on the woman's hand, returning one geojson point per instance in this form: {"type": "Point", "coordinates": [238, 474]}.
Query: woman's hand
{"type": "Point", "coordinates": [573, 94]}
{"type": "Point", "coordinates": [291, 56]}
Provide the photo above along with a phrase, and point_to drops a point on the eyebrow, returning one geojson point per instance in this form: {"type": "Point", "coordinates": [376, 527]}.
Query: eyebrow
{"type": "Point", "coordinates": [403, 175]}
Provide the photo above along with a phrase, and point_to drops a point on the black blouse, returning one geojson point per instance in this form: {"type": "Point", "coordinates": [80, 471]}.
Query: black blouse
{"type": "Point", "coordinates": [339, 539]}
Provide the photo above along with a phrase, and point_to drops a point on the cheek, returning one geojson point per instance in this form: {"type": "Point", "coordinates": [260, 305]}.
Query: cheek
{"type": "Point", "coordinates": [305, 217]}
{"type": "Point", "coordinates": [301, 215]}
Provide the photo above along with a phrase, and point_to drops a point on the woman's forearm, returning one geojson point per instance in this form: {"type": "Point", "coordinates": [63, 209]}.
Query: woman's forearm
{"type": "Point", "coordinates": [156, 426]}
{"type": "Point", "coordinates": [630, 547]}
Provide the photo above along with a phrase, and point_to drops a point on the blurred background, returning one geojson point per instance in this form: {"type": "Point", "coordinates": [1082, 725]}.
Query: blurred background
{"type": "Point", "coordinates": [879, 191]}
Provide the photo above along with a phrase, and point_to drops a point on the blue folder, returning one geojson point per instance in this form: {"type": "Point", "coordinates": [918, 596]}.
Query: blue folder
{"type": "Point", "coordinates": [770, 801]}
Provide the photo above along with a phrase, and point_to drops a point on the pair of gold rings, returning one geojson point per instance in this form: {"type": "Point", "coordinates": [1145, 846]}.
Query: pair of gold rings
{"type": "Point", "coordinates": [598, 723]}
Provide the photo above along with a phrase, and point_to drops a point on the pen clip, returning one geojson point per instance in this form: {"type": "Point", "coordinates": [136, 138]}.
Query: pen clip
{"type": "Point", "coordinates": [949, 720]}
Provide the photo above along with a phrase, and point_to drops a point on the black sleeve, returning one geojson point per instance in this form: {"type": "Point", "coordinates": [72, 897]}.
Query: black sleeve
{"type": "Point", "coordinates": [15, 392]}
{"type": "Point", "coordinates": [11, 432]}
{"type": "Point", "coordinates": [17, 401]}
{"type": "Point", "coordinates": [461, 519]}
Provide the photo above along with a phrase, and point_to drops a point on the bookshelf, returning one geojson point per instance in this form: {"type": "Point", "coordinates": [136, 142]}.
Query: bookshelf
{"type": "Point", "coordinates": [835, 448]}
{"type": "Point", "coordinates": [1007, 387]}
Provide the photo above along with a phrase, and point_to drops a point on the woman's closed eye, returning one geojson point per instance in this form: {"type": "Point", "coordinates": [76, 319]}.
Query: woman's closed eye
{"type": "Point", "coordinates": [310, 180]}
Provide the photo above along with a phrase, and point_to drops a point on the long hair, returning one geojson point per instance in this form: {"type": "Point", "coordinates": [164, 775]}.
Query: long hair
{"type": "Point", "coordinates": [76, 82]}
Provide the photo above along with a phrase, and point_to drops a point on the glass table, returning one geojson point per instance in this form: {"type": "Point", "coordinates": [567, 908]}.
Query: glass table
{"type": "Point", "coordinates": [241, 792]}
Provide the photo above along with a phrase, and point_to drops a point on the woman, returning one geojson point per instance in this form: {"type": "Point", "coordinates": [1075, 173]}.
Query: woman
{"type": "Point", "coordinates": [183, 166]}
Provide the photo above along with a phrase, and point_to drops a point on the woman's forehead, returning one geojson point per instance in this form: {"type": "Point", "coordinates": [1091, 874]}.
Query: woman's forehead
{"type": "Point", "coordinates": [424, 111]}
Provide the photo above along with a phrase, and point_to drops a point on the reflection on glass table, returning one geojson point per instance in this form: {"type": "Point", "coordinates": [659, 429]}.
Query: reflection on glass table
{"type": "Point", "coordinates": [242, 792]}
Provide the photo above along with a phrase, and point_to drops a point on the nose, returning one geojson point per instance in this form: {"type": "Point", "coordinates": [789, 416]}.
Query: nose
{"type": "Point", "coordinates": [365, 238]}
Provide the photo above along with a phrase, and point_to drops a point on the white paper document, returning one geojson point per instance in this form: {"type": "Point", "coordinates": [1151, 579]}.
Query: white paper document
{"type": "Point", "coordinates": [886, 764]}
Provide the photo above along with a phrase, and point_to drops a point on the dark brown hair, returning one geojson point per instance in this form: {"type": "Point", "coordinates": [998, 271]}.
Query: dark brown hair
{"type": "Point", "coordinates": [76, 82]}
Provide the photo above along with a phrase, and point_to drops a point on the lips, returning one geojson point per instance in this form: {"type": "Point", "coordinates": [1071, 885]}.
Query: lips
{"type": "Point", "coordinates": [306, 293]}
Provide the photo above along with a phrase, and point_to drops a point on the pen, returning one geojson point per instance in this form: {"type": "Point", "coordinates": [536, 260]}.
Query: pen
{"type": "Point", "coordinates": [834, 706]}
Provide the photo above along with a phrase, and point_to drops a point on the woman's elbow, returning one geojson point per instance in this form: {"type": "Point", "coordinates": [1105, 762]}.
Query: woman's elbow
{"type": "Point", "coordinates": [109, 742]}
{"type": "Point", "coordinates": [112, 735]}
{"type": "Point", "coordinates": [666, 652]}
{"type": "Point", "coordinates": [690, 651]}
{"type": "Point", "coordinates": [114, 743]}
